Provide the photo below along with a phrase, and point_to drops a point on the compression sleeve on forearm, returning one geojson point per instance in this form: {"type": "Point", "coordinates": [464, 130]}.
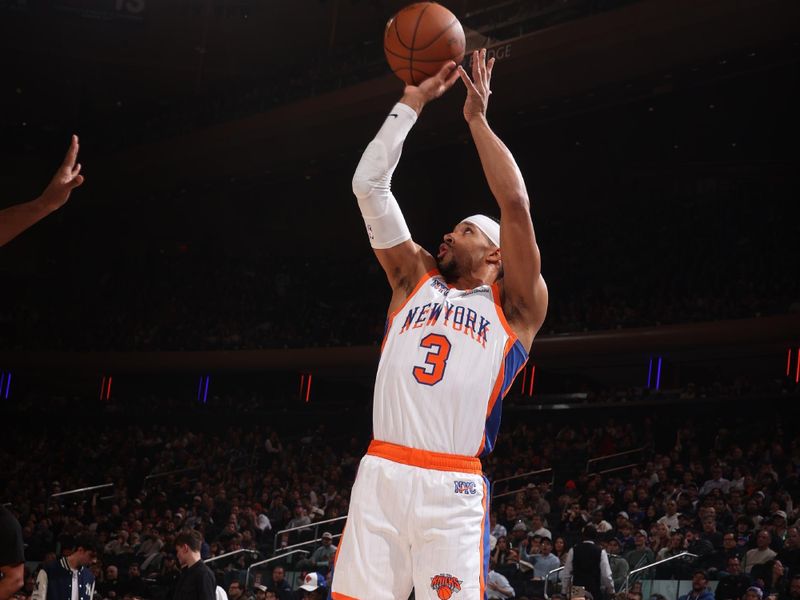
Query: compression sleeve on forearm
{"type": "Point", "coordinates": [372, 180]}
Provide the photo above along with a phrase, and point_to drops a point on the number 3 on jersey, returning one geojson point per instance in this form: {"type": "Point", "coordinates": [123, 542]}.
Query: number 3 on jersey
{"type": "Point", "coordinates": [435, 360]}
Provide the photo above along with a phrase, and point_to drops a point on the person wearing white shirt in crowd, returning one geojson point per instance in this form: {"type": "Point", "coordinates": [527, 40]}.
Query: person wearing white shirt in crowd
{"type": "Point", "coordinates": [671, 516]}
{"type": "Point", "coordinates": [498, 587]}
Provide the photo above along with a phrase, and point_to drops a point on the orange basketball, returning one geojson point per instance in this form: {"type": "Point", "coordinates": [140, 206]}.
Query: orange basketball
{"type": "Point", "coordinates": [420, 39]}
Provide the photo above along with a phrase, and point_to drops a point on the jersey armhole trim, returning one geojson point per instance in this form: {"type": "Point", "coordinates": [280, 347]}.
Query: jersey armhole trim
{"type": "Point", "coordinates": [499, 307]}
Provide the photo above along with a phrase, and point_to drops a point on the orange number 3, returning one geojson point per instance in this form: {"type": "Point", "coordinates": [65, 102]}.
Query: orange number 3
{"type": "Point", "coordinates": [435, 360]}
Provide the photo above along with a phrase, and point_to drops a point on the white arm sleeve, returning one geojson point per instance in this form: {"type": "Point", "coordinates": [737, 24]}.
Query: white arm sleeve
{"type": "Point", "coordinates": [372, 181]}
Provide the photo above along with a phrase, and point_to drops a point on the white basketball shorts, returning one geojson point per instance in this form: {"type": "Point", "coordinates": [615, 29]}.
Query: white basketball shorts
{"type": "Point", "coordinates": [417, 519]}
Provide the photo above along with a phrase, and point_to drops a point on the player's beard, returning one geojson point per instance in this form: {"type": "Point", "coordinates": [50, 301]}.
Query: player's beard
{"type": "Point", "coordinates": [448, 268]}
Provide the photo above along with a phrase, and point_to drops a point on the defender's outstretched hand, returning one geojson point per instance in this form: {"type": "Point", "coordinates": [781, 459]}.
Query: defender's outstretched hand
{"type": "Point", "coordinates": [417, 96]}
{"type": "Point", "coordinates": [66, 179]}
{"type": "Point", "coordinates": [478, 90]}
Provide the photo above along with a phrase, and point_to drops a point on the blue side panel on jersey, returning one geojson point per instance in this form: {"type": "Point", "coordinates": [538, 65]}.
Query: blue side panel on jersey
{"type": "Point", "coordinates": [487, 549]}
{"type": "Point", "coordinates": [513, 363]}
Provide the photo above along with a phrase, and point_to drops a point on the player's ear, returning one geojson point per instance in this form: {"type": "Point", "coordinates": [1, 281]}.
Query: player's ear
{"type": "Point", "coordinates": [494, 256]}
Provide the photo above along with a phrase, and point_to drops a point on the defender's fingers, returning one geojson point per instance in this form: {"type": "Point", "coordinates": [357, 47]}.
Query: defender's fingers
{"type": "Point", "coordinates": [72, 153]}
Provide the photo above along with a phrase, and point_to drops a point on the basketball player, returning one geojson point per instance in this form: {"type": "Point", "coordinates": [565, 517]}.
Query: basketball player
{"type": "Point", "coordinates": [459, 329]}
{"type": "Point", "coordinates": [16, 219]}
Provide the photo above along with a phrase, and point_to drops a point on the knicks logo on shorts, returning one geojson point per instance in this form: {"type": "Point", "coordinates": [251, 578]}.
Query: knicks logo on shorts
{"type": "Point", "coordinates": [445, 584]}
{"type": "Point", "coordinates": [465, 487]}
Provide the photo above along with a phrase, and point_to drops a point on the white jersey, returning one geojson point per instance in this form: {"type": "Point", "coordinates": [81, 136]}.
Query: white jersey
{"type": "Point", "coordinates": [448, 359]}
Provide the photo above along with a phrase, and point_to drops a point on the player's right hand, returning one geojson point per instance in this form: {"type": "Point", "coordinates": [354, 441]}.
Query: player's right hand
{"type": "Point", "coordinates": [433, 87]}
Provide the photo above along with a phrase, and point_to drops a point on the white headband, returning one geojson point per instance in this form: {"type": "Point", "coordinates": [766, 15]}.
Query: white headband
{"type": "Point", "coordinates": [488, 226]}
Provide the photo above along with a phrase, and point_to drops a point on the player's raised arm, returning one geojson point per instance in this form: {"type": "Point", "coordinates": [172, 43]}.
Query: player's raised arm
{"type": "Point", "coordinates": [404, 261]}
{"type": "Point", "coordinates": [524, 290]}
{"type": "Point", "coordinates": [16, 219]}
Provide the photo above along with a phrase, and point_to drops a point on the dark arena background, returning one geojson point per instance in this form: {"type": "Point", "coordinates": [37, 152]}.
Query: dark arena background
{"type": "Point", "coordinates": [191, 341]}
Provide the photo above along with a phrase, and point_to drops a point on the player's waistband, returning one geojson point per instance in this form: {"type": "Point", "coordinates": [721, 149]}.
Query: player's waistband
{"type": "Point", "coordinates": [425, 459]}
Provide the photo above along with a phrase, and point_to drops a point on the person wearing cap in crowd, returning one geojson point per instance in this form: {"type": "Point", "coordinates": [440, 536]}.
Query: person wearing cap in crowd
{"type": "Point", "coordinates": [312, 588]}
{"type": "Point", "coordinates": [496, 529]}
{"type": "Point", "coordinates": [778, 525]}
{"type": "Point", "coordinates": [753, 593]}
{"type": "Point", "coordinates": [322, 558]}
{"type": "Point", "coordinates": [641, 554]}
{"type": "Point", "coordinates": [519, 537]}
{"type": "Point", "coordinates": [619, 566]}
{"type": "Point", "coordinates": [732, 582]}
{"type": "Point", "coordinates": [543, 561]}
{"type": "Point", "coordinates": [699, 589]}
{"type": "Point", "coordinates": [260, 592]}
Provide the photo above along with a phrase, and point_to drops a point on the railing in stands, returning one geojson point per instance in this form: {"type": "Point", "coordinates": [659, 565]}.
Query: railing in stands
{"type": "Point", "coordinates": [91, 488]}
{"type": "Point", "coordinates": [268, 560]}
{"type": "Point", "coordinates": [626, 585]}
{"type": "Point", "coordinates": [152, 476]}
{"type": "Point", "coordinates": [592, 461]}
{"type": "Point", "coordinates": [229, 554]}
{"type": "Point", "coordinates": [547, 580]}
{"type": "Point", "coordinates": [520, 476]}
{"type": "Point", "coordinates": [313, 525]}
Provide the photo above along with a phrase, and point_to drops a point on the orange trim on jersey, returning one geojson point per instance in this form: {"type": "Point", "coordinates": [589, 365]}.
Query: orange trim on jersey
{"type": "Point", "coordinates": [425, 459]}
{"type": "Point", "coordinates": [430, 274]}
{"type": "Point", "coordinates": [338, 596]}
{"type": "Point", "coordinates": [499, 304]}
{"type": "Point", "coordinates": [485, 502]}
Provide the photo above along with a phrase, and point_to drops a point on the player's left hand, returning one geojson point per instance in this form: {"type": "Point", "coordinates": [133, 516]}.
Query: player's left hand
{"type": "Point", "coordinates": [66, 179]}
{"type": "Point", "coordinates": [478, 90]}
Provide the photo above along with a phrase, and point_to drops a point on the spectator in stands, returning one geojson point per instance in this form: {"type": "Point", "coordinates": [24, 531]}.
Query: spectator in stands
{"type": "Point", "coordinates": [619, 566]}
{"type": "Point", "coordinates": [111, 586]}
{"type": "Point", "coordinates": [536, 526]}
{"type": "Point", "coordinates": [545, 561]}
{"type": "Point", "coordinates": [500, 552]}
{"type": "Point", "coordinates": [753, 593]}
{"type": "Point", "coordinates": [313, 587]}
{"type": "Point", "coordinates": [778, 581]}
{"type": "Point", "coordinates": [794, 588]}
{"type": "Point", "coordinates": [560, 549]}
{"type": "Point", "coordinates": [599, 522]}
{"type": "Point", "coordinates": [587, 565]}
{"type": "Point", "coordinates": [279, 585]}
{"type": "Point", "coordinates": [196, 581]}
{"type": "Point", "coordinates": [710, 533]}
{"type": "Point", "coordinates": [537, 502]}
{"type": "Point", "coordinates": [790, 553]}
{"type": "Point", "coordinates": [761, 554]}
{"type": "Point", "coordinates": [717, 482]}
{"type": "Point", "coordinates": [169, 574]}
{"type": "Point", "coordinates": [495, 528]}
{"type": "Point", "coordinates": [744, 532]}
{"type": "Point", "coordinates": [641, 555]}
{"type": "Point", "coordinates": [235, 591]}
{"type": "Point", "coordinates": [69, 578]}
{"type": "Point", "coordinates": [133, 584]}
{"type": "Point", "coordinates": [732, 582]}
{"type": "Point", "coordinates": [700, 589]}
{"type": "Point", "coordinates": [322, 558]}
{"type": "Point", "coordinates": [12, 554]}
{"type": "Point", "coordinates": [718, 560]}
{"type": "Point", "coordinates": [498, 587]}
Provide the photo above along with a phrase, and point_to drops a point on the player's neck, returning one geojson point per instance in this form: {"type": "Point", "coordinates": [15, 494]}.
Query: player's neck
{"type": "Point", "coordinates": [468, 282]}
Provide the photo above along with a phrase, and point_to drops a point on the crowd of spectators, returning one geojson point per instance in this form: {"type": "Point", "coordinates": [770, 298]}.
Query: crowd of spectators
{"type": "Point", "coordinates": [727, 495]}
